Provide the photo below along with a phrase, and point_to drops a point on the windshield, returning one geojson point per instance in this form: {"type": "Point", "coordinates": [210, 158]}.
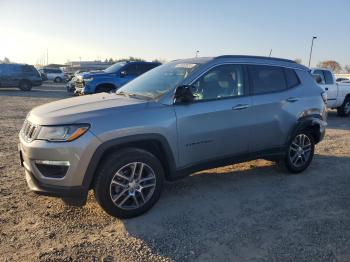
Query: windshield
{"type": "Point", "coordinates": [115, 67]}
{"type": "Point", "coordinates": [159, 80]}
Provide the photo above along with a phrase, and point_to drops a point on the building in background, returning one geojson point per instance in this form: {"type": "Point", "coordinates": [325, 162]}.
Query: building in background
{"type": "Point", "coordinates": [74, 66]}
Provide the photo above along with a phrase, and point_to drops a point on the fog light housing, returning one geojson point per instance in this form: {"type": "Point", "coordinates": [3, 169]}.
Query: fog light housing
{"type": "Point", "coordinates": [52, 169]}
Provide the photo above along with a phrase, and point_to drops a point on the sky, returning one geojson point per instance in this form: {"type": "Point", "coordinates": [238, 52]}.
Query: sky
{"type": "Point", "coordinates": [172, 29]}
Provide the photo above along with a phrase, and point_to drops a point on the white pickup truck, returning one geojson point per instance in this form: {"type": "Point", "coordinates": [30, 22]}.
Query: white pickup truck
{"type": "Point", "coordinates": [338, 93]}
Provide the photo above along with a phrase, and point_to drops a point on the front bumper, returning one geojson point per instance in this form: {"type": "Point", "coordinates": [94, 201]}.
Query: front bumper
{"type": "Point", "coordinates": [77, 152]}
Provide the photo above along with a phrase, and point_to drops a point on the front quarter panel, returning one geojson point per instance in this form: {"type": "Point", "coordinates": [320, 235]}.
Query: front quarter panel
{"type": "Point", "coordinates": [154, 118]}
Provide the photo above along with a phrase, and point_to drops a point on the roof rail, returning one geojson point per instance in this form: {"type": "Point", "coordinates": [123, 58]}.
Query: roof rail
{"type": "Point", "coordinates": [258, 57]}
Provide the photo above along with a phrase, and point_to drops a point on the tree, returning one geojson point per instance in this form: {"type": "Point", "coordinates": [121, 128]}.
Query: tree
{"type": "Point", "coordinates": [111, 60]}
{"type": "Point", "coordinates": [6, 60]}
{"type": "Point", "coordinates": [330, 64]}
{"type": "Point", "coordinates": [297, 60]}
{"type": "Point", "coordinates": [347, 69]}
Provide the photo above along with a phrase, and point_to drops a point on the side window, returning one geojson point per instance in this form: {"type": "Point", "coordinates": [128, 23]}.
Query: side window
{"type": "Point", "coordinates": [27, 69]}
{"type": "Point", "coordinates": [220, 82]}
{"type": "Point", "coordinates": [142, 68]}
{"type": "Point", "coordinates": [267, 79]}
{"type": "Point", "coordinates": [328, 77]}
{"type": "Point", "coordinates": [320, 72]}
{"type": "Point", "coordinates": [131, 70]}
{"type": "Point", "coordinates": [291, 77]}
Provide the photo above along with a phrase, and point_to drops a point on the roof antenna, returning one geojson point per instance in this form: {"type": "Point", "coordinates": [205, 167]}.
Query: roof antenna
{"type": "Point", "coordinates": [270, 52]}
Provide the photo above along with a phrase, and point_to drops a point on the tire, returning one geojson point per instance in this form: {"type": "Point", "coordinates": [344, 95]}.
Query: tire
{"type": "Point", "coordinates": [103, 89]}
{"type": "Point", "coordinates": [344, 109]}
{"type": "Point", "coordinates": [25, 85]}
{"type": "Point", "coordinates": [57, 79]}
{"type": "Point", "coordinates": [131, 197]}
{"type": "Point", "coordinates": [299, 154]}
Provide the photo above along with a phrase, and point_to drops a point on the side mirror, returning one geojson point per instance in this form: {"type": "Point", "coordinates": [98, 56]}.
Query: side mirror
{"type": "Point", "coordinates": [318, 79]}
{"type": "Point", "coordinates": [123, 73]}
{"type": "Point", "coordinates": [184, 94]}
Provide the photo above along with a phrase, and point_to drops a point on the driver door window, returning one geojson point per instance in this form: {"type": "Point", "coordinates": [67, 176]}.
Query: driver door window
{"type": "Point", "coordinates": [220, 82]}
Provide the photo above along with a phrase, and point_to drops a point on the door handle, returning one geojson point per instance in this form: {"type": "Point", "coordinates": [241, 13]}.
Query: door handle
{"type": "Point", "coordinates": [240, 107]}
{"type": "Point", "coordinates": [326, 88]}
{"type": "Point", "coordinates": [292, 99]}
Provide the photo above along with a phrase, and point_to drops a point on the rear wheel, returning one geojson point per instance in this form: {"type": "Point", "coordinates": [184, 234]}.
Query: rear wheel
{"type": "Point", "coordinates": [57, 79]}
{"type": "Point", "coordinates": [344, 109]}
{"type": "Point", "coordinates": [300, 152]}
{"type": "Point", "coordinates": [129, 183]}
{"type": "Point", "coordinates": [25, 85]}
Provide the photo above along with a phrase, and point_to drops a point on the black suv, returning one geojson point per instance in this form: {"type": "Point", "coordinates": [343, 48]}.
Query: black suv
{"type": "Point", "coordinates": [19, 75]}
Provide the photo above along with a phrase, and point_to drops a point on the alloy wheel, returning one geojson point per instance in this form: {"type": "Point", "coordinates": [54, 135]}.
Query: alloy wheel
{"type": "Point", "coordinates": [300, 150]}
{"type": "Point", "coordinates": [132, 185]}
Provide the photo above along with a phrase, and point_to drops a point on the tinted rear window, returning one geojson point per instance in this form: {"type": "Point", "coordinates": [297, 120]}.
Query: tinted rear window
{"type": "Point", "coordinates": [267, 79]}
{"type": "Point", "coordinates": [291, 77]}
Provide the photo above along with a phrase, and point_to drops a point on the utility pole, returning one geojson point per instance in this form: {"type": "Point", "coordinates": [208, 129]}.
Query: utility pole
{"type": "Point", "coordinates": [270, 52]}
{"type": "Point", "coordinates": [197, 52]}
{"type": "Point", "coordinates": [312, 44]}
{"type": "Point", "coordinates": [47, 56]}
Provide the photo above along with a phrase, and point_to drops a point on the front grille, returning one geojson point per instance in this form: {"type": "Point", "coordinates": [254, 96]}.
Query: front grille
{"type": "Point", "coordinates": [79, 85]}
{"type": "Point", "coordinates": [29, 131]}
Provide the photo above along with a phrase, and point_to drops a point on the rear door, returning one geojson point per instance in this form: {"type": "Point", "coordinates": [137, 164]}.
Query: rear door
{"type": "Point", "coordinates": [274, 101]}
{"type": "Point", "coordinates": [218, 123]}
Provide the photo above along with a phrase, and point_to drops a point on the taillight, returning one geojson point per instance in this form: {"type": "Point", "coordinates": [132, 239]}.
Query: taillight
{"type": "Point", "coordinates": [324, 97]}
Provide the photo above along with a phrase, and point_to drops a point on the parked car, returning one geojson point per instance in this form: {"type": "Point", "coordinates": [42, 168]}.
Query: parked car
{"type": "Point", "coordinates": [54, 74]}
{"type": "Point", "coordinates": [179, 118]}
{"type": "Point", "coordinates": [111, 78]}
{"type": "Point", "coordinates": [71, 84]}
{"type": "Point", "coordinates": [22, 76]}
{"type": "Point", "coordinates": [338, 93]}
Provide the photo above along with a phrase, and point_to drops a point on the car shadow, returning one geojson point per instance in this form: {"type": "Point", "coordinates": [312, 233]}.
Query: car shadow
{"type": "Point", "coordinates": [239, 211]}
{"type": "Point", "coordinates": [337, 122]}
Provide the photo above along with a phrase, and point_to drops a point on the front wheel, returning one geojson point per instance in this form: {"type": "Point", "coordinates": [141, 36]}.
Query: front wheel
{"type": "Point", "coordinates": [344, 109]}
{"type": "Point", "coordinates": [129, 183]}
{"type": "Point", "coordinates": [25, 85]}
{"type": "Point", "coordinates": [300, 152]}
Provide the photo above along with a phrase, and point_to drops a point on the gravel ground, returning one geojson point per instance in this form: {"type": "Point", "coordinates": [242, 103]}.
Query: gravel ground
{"type": "Point", "coordinates": [244, 212]}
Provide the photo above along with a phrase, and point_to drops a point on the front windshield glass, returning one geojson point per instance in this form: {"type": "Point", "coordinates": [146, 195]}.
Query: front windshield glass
{"type": "Point", "coordinates": [159, 80]}
{"type": "Point", "coordinates": [115, 67]}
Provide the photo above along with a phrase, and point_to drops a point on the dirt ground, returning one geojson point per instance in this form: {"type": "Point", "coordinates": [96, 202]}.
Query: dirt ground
{"type": "Point", "coordinates": [244, 212]}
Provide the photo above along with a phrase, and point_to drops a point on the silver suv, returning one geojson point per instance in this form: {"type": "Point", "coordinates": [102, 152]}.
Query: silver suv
{"type": "Point", "coordinates": [181, 117]}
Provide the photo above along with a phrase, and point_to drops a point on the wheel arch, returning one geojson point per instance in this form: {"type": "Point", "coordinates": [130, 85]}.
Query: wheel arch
{"type": "Point", "coordinates": [106, 84]}
{"type": "Point", "coordinates": [153, 143]}
{"type": "Point", "coordinates": [314, 123]}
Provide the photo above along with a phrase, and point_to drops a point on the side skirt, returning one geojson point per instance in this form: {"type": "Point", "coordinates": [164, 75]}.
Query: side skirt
{"type": "Point", "coordinates": [271, 154]}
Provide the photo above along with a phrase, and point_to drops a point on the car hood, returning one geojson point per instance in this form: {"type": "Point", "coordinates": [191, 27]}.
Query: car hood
{"type": "Point", "coordinates": [83, 109]}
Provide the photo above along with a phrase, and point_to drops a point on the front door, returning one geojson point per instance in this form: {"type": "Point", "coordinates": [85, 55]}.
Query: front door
{"type": "Point", "coordinates": [218, 123]}
{"type": "Point", "coordinates": [328, 85]}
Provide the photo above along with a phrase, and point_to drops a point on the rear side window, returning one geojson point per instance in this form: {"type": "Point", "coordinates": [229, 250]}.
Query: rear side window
{"type": "Point", "coordinates": [267, 79]}
{"type": "Point", "coordinates": [328, 77]}
{"type": "Point", "coordinates": [320, 73]}
{"type": "Point", "coordinates": [291, 77]}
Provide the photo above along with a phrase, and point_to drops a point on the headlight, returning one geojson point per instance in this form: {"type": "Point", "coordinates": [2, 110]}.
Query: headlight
{"type": "Point", "coordinates": [64, 133]}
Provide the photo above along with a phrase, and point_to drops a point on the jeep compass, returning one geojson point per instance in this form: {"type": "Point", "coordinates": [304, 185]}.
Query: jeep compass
{"type": "Point", "coordinates": [176, 119]}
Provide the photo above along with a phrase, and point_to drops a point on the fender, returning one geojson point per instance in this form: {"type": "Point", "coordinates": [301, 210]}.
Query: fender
{"type": "Point", "coordinates": [309, 121]}
{"type": "Point", "coordinates": [99, 152]}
